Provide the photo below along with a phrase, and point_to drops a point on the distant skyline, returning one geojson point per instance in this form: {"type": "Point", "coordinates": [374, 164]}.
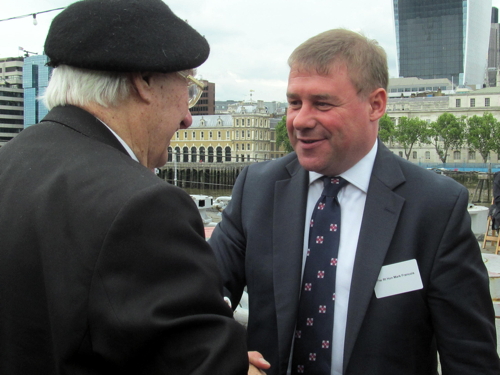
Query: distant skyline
{"type": "Point", "coordinates": [250, 41]}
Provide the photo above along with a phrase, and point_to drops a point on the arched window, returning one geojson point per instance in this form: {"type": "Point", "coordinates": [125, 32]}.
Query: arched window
{"type": "Point", "coordinates": [219, 154]}
{"type": "Point", "coordinates": [228, 154]}
{"type": "Point", "coordinates": [177, 154]}
{"type": "Point", "coordinates": [457, 155]}
{"type": "Point", "coordinates": [202, 154]}
{"type": "Point", "coordinates": [194, 157]}
{"type": "Point", "coordinates": [185, 154]}
{"type": "Point", "coordinates": [170, 154]}
{"type": "Point", "coordinates": [210, 154]}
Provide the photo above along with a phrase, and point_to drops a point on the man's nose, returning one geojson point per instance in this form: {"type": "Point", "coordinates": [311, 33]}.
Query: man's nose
{"type": "Point", "coordinates": [188, 120]}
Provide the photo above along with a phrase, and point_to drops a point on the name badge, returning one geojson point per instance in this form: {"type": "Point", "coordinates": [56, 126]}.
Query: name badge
{"type": "Point", "coordinates": [398, 278]}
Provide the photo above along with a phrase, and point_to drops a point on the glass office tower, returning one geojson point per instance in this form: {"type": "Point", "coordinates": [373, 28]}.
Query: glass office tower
{"type": "Point", "coordinates": [443, 39]}
{"type": "Point", "coordinates": [35, 80]}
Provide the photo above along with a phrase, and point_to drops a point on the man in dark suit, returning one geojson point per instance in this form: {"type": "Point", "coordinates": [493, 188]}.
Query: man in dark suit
{"type": "Point", "coordinates": [104, 268]}
{"type": "Point", "coordinates": [410, 280]}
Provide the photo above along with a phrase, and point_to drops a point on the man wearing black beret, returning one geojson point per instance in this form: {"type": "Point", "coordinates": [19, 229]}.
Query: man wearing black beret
{"type": "Point", "coordinates": [104, 268]}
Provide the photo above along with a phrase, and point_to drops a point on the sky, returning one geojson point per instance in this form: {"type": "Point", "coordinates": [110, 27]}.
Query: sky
{"type": "Point", "coordinates": [250, 41]}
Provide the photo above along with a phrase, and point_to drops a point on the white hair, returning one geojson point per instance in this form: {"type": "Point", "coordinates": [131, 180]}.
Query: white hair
{"type": "Point", "coordinates": [80, 87]}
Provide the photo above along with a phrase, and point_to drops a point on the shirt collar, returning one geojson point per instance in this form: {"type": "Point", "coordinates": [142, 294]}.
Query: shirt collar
{"type": "Point", "coordinates": [359, 174]}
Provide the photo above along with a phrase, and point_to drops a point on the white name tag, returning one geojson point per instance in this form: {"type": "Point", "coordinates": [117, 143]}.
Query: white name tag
{"type": "Point", "coordinates": [398, 278]}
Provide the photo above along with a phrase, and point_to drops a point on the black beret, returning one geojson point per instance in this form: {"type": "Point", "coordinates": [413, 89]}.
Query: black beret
{"type": "Point", "coordinates": [125, 36]}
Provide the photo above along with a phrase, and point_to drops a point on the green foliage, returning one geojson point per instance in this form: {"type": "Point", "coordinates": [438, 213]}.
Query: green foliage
{"type": "Point", "coordinates": [480, 135]}
{"type": "Point", "coordinates": [386, 129]}
{"type": "Point", "coordinates": [410, 131]}
{"type": "Point", "coordinates": [282, 135]}
{"type": "Point", "coordinates": [446, 133]}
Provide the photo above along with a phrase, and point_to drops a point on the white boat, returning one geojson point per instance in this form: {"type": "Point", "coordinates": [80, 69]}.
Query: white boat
{"type": "Point", "coordinates": [203, 202]}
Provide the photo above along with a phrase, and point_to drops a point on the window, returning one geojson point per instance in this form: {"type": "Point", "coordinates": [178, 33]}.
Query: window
{"type": "Point", "coordinates": [237, 134]}
{"type": "Point", "coordinates": [473, 102]}
{"type": "Point", "coordinates": [472, 155]}
{"type": "Point", "coordinates": [427, 155]}
{"type": "Point", "coordinates": [218, 135]}
{"type": "Point", "coordinates": [202, 135]}
{"type": "Point", "coordinates": [401, 153]}
{"type": "Point", "coordinates": [185, 135]}
{"type": "Point", "coordinates": [177, 135]}
{"type": "Point", "coordinates": [210, 135]}
{"type": "Point", "coordinates": [486, 102]}
{"type": "Point", "coordinates": [414, 154]}
{"type": "Point", "coordinates": [218, 152]}
{"type": "Point", "coordinates": [458, 103]}
{"type": "Point", "coordinates": [457, 155]}
{"type": "Point", "coordinates": [194, 157]}
{"type": "Point", "coordinates": [210, 154]}
{"type": "Point", "coordinates": [194, 135]}
{"type": "Point", "coordinates": [227, 135]}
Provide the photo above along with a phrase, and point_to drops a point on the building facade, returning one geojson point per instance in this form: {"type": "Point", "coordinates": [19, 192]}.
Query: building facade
{"type": "Point", "coordinates": [243, 136]}
{"type": "Point", "coordinates": [11, 98]}
{"type": "Point", "coordinates": [35, 80]}
{"type": "Point", "coordinates": [443, 39]}
{"type": "Point", "coordinates": [494, 49]}
{"type": "Point", "coordinates": [466, 104]}
{"type": "Point", "coordinates": [407, 87]}
{"type": "Point", "coordinates": [206, 104]}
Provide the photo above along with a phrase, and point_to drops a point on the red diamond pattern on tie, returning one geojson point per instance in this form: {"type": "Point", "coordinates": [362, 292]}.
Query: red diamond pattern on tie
{"type": "Point", "coordinates": [314, 328]}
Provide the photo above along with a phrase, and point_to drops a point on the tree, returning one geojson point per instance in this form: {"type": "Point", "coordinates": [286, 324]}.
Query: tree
{"type": "Point", "coordinates": [410, 131]}
{"type": "Point", "coordinates": [446, 133]}
{"type": "Point", "coordinates": [386, 129]}
{"type": "Point", "coordinates": [480, 134]}
{"type": "Point", "coordinates": [282, 135]}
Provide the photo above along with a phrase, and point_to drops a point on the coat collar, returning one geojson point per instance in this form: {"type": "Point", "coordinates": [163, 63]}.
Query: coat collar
{"type": "Point", "coordinates": [84, 123]}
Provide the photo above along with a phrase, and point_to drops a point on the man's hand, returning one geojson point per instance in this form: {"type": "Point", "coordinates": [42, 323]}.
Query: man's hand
{"type": "Point", "coordinates": [257, 363]}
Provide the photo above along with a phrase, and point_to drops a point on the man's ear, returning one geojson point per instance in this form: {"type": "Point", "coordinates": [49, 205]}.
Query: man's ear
{"type": "Point", "coordinates": [141, 83]}
{"type": "Point", "coordinates": [378, 102]}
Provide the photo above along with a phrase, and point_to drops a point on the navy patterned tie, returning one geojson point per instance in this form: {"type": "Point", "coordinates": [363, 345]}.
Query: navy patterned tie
{"type": "Point", "coordinates": [312, 352]}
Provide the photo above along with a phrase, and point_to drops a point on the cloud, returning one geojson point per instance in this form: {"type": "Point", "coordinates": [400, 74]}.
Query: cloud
{"type": "Point", "coordinates": [250, 41]}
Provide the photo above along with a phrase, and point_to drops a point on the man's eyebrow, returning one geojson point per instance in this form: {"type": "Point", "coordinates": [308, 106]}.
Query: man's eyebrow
{"type": "Point", "coordinates": [291, 95]}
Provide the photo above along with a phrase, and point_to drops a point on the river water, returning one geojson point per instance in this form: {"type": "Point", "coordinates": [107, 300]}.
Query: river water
{"type": "Point", "coordinates": [469, 180]}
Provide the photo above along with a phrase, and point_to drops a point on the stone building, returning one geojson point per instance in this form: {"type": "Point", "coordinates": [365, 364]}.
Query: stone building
{"type": "Point", "coordinates": [244, 135]}
{"type": "Point", "coordinates": [467, 103]}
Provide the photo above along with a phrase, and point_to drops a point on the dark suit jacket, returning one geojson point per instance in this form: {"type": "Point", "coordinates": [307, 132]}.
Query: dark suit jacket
{"type": "Point", "coordinates": [104, 268]}
{"type": "Point", "coordinates": [410, 213]}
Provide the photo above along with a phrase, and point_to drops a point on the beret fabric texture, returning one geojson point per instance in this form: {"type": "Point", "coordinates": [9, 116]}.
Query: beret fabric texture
{"type": "Point", "coordinates": [124, 36]}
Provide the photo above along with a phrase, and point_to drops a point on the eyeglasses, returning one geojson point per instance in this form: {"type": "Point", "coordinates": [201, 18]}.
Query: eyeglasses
{"type": "Point", "coordinates": [195, 88]}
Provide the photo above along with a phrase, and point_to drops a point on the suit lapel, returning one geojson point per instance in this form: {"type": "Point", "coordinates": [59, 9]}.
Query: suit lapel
{"type": "Point", "coordinates": [380, 219]}
{"type": "Point", "coordinates": [288, 237]}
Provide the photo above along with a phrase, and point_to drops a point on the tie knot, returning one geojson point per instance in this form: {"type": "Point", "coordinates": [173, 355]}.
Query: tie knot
{"type": "Point", "coordinates": [332, 185]}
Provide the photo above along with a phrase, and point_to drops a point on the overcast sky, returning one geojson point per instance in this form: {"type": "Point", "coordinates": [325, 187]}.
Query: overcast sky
{"type": "Point", "coordinates": [250, 40]}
